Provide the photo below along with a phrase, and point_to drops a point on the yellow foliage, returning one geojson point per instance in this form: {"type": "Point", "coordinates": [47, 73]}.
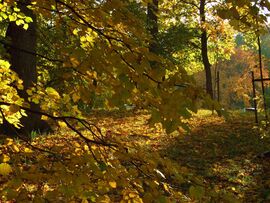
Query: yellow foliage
{"type": "Point", "coordinates": [15, 148]}
{"type": "Point", "coordinates": [131, 196]}
{"type": "Point", "coordinates": [62, 124]}
{"type": "Point", "coordinates": [5, 169]}
{"type": "Point", "coordinates": [27, 150]}
{"type": "Point", "coordinates": [5, 158]}
{"type": "Point", "coordinates": [52, 93]}
{"type": "Point", "coordinates": [113, 184]}
{"type": "Point", "coordinates": [9, 141]}
{"type": "Point", "coordinates": [9, 94]}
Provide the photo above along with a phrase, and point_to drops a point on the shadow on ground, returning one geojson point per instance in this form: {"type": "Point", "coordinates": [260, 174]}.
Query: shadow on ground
{"type": "Point", "coordinates": [224, 153]}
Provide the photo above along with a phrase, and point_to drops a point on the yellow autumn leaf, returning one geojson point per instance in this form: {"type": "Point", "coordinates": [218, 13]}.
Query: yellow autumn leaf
{"type": "Point", "coordinates": [132, 195]}
{"type": "Point", "coordinates": [15, 148]}
{"type": "Point", "coordinates": [19, 22]}
{"type": "Point", "coordinates": [75, 32]}
{"type": "Point", "coordinates": [62, 124]}
{"type": "Point", "coordinates": [45, 118]}
{"type": "Point", "coordinates": [137, 200]}
{"type": "Point", "coordinates": [27, 150]}
{"type": "Point", "coordinates": [5, 169]}
{"type": "Point", "coordinates": [86, 148]}
{"type": "Point", "coordinates": [77, 150]}
{"type": "Point", "coordinates": [93, 147]}
{"type": "Point", "coordinates": [12, 18]}
{"type": "Point", "coordinates": [29, 92]}
{"type": "Point", "coordinates": [113, 184]}
{"type": "Point", "coordinates": [52, 92]}
{"type": "Point", "coordinates": [16, 9]}
{"type": "Point", "coordinates": [5, 158]}
{"type": "Point", "coordinates": [166, 187]}
{"type": "Point", "coordinates": [9, 141]}
{"type": "Point", "coordinates": [74, 61]}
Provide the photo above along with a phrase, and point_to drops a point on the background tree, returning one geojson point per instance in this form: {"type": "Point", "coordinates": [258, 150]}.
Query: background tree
{"type": "Point", "coordinates": [204, 49]}
{"type": "Point", "coordinates": [197, 40]}
{"type": "Point", "coordinates": [107, 57]}
{"type": "Point", "coordinates": [235, 79]}
{"type": "Point", "coordinates": [110, 56]}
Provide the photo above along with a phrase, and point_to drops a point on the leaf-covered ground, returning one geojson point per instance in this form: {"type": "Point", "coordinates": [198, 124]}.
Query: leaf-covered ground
{"type": "Point", "coordinates": [223, 152]}
{"type": "Point", "coordinates": [214, 162]}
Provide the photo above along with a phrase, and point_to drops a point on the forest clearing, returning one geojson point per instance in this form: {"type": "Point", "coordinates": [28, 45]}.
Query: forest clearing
{"type": "Point", "coordinates": [134, 101]}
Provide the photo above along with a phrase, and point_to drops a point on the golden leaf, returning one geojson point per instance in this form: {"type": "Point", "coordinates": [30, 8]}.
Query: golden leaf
{"type": "Point", "coordinates": [166, 188]}
{"type": "Point", "coordinates": [9, 141]}
{"type": "Point", "coordinates": [44, 118]}
{"type": "Point", "coordinates": [15, 148]}
{"type": "Point", "coordinates": [6, 158]}
{"type": "Point", "coordinates": [27, 150]}
{"type": "Point", "coordinates": [132, 195]}
{"type": "Point", "coordinates": [74, 61]}
{"type": "Point", "coordinates": [113, 184]}
{"type": "Point", "coordinates": [52, 92]}
{"type": "Point", "coordinates": [5, 169]}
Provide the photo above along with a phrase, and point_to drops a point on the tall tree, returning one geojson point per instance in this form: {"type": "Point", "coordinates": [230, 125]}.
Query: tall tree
{"type": "Point", "coordinates": [105, 47]}
{"type": "Point", "coordinates": [195, 34]}
{"type": "Point", "coordinates": [204, 50]}
{"type": "Point", "coordinates": [22, 51]}
{"type": "Point", "coordinates": [152, 21]}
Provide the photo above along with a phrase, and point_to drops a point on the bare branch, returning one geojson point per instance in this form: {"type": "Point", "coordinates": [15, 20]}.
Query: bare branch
{"type": "Point", "coordinates": [30, 52]}
{"type": "Point", "coordinates": [66, 120]}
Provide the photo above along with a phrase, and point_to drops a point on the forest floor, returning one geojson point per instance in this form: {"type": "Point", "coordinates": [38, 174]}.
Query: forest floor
{"type": "Point", "coordinates": [223, 152]}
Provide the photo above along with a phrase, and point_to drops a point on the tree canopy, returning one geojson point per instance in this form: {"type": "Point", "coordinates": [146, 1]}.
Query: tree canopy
{"type": "Point", "coordinates": [62, 61]}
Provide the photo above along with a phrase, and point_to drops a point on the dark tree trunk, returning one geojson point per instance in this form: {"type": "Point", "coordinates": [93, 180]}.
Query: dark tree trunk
{"type": "Point", "coordinates": [22, 51]}
{"type": "Point", "coordinates": [204, 51]}
{"type": "Point", "coordinates": [22, 41]}
{"type": "Point", "coordinates": [152, 21]}
{"type": "Point", "coordinates": [154, 47]}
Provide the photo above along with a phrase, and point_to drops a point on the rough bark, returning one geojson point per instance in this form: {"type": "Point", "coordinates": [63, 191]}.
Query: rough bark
{"type": "Point", "coordinates": [154, 47]}
{"type": "Point", "coordinates": [152, 18]}
{"type": "Point", "coordinates": [204, 51]}
{"type": "Point", "coordinates": [24, 64]}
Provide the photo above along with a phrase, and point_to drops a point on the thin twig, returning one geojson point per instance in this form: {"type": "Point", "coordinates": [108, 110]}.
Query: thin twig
{"type": "Point", "coordinates": [65, 120]}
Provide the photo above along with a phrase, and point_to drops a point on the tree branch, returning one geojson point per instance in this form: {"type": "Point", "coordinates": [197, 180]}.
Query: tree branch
{"type": "Point", "coordinates": [190, 3]}
{"type": "Point", "coordinates": [30, 52]}
{"type": "Point", "coordinates": [25, 140]}
{"type": "Point", "coordinates": [66, 119]}
{"type": "Point", "coordinates": [98, 31]}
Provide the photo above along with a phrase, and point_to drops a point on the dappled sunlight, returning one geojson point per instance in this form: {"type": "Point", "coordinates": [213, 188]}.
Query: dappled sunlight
{"type": "Point", "coordinates": [134, 101]}
{"type": "Point", "coordinates": [224, 153]}
{"type": "Point", "coordinates": [216, 155]}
